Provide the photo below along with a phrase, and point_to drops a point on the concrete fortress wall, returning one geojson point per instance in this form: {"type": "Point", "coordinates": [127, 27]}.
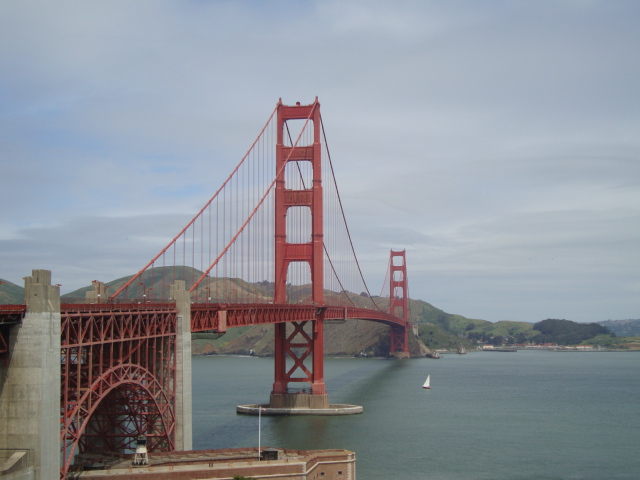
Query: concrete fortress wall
{"type": "Point", "coordinates": [30, 380]}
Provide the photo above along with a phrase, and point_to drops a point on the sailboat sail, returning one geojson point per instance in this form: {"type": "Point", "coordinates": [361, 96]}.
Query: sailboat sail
{"type": "Point", "coordinates": [427, 383]}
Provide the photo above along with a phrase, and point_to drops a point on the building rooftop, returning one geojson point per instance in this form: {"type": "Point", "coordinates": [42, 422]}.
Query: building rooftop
{"type": "Point", "coordinates": [224, 463]}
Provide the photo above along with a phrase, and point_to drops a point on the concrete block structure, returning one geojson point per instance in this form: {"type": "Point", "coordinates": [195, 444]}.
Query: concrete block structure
{"type": "Point", "coordinates": [184, 429]}
{"type": "Point", "coordinates": [270, 464]}
{"type": "Point", "coordinates": [30, 382]}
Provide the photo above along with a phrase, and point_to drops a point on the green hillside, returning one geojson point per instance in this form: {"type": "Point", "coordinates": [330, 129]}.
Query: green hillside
{"type": "Point", "coordinates": [207, 342]}
{"type": "Point", "coordinates": [566, 332]}
{"type": "Point", "coordinates": [10, 293]}
{"type": "Point", "coordinates": [436, 338]}
{"type": "Point", "coordinates": [155, 283]}
{"type": "Point", "coordinates": [439, 329]}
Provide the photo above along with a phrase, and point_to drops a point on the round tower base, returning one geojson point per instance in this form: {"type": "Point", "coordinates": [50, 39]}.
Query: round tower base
{"type": "Point", "coordinates": [333, 409]}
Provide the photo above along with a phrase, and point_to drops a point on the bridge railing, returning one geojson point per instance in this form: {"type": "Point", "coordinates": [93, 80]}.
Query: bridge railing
{"type": "Point", "coordinates": [118, 306]}
{"type": "Point", "coordinates": [11, 313]}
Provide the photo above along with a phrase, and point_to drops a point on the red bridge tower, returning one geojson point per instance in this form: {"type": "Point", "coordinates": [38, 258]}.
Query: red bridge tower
{"type": "Point", "coordinates": [307, 338]}
{"type": "Point", "coordinates": [399, 303]}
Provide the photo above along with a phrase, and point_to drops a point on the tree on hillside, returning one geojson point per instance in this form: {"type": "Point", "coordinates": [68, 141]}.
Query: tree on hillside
{"type": "Point", "coordinates": [566, 332]}
{"type": "Point", "coordinates": [521, 338]}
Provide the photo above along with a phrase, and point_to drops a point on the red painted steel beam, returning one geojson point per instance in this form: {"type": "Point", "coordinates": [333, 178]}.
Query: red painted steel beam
{"type": "Point", "coordinates": [206, 316]}
{"type": "Point", "coordinates": [128, 350]}
{"type": "Point", "coordinates": [12, 314]}
{"type": "Point", "coordinates": [115, 307]}
{"type": "Point", "coordinates": [118, 377]}
{"type": "Point", "coordinates": [9, 311]}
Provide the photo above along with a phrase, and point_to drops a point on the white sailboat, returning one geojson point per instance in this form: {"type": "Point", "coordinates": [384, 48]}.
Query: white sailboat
{"type": "Point", "coordinates": [427, 383]}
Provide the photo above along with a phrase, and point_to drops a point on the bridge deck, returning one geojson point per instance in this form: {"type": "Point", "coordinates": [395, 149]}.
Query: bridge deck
{"type": "Point", "coordinates": [219, 317]}
{"type": "Point", "coordinates": [205, 316]}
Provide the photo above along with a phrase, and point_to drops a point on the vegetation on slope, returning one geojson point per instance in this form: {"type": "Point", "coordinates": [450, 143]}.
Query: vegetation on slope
{"type": "Point", "coordinates": [154, 284]}
{"type": "Point", "coordinates": [208, 342]}
{"type": "Point", "coordinates": [629, 342]}
{"type": "Point", "coordinates": [441, 330]}
{"type": "Point", "coordinates": [436, 338]}
{"type": "Point", "coordinates": [10, 293]}
{"type": "Point", "coordinates": [566, 332]}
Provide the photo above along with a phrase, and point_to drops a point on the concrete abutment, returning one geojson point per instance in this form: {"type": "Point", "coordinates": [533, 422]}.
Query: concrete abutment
{"type": "Point", "coordinates": [30, 391]}
{"type": "Point", "coordinates": [184, 427]}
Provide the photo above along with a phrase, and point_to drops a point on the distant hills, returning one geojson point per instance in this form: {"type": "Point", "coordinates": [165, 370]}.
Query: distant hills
{"type": "Point", "coordinates": [623, 328]}
{"type": "Point", "coordinates": [436, 329]}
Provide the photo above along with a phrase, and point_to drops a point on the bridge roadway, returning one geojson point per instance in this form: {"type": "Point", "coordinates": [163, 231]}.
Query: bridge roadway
{"type": "Point", "coordinates": [219, 317]}
{"type": "Point", "coordinates": [216, 317]}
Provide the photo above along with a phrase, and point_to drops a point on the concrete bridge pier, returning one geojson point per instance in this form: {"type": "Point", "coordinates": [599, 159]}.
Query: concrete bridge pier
{"type": "Point", "coordinates": [184, 426]}
{"type": "Point", "coordinates": [30, 381]}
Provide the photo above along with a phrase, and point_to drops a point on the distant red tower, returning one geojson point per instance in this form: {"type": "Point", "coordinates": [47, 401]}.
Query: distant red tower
{"type": "Point", "coordinates": [399, 303]}
{"type": "Point", "coordinates": [309, 341]}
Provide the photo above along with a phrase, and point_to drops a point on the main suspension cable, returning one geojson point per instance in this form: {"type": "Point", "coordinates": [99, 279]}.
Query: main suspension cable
{"type": "Point", "coordinates": [344, 216]}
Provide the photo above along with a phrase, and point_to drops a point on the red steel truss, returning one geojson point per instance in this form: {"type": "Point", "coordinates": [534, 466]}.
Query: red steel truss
{"type": "Point", "coordinates": [218, 317]}
{"type": "Point", "coordinates": [118, 377]}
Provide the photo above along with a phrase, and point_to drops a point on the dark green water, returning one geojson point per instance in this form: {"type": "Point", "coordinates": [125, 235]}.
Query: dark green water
{"type": "Point", "coordinates": [524, 415]}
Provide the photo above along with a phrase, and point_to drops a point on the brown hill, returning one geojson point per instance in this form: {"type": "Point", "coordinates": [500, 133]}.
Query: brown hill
{"type": "Point", "coordinates": [154, 284]}
{"type": "Point", "coordinates": [351, 338]}
{"type": "Point", "coordinates": [354, 337]}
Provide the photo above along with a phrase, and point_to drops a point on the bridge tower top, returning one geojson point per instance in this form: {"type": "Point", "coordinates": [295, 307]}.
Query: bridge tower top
{"type": "Point", "coordinates": [300, 149]}
{"type": "Point", "coordinates": [398, 294]}
{"type": "Point", "coordinates": [298, 158]}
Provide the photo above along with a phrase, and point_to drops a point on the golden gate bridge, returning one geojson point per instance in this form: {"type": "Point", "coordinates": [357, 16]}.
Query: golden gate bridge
{"type": "Point", "coordinates": [271, 246]}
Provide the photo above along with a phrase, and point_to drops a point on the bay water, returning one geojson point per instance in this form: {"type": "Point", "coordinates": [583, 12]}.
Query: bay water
{"type": "Point", "coordinates": [488, 415]}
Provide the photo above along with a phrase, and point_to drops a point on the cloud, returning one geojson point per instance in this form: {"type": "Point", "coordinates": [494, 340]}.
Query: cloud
{"type": "Point", "coordinates": [89, 248]}
{"type": "Point", "coordinates": [497, 142]}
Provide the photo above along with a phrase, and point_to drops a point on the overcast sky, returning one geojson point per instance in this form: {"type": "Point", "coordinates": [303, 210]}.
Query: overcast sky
{"type": "Point", "coordinates": [498, 142]}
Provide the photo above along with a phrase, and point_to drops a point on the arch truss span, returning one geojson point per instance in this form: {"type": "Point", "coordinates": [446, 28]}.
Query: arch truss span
{"type": "Point", "coordinates": [118, 379]}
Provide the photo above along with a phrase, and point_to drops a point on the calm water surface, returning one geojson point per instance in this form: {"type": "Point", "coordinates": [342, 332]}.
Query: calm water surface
{"type": "Point", "coordinates": [489, 415]}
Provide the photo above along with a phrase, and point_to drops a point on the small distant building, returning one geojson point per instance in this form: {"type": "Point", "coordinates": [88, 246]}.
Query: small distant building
{"type": "Point", "coordinates": [222, 464]}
